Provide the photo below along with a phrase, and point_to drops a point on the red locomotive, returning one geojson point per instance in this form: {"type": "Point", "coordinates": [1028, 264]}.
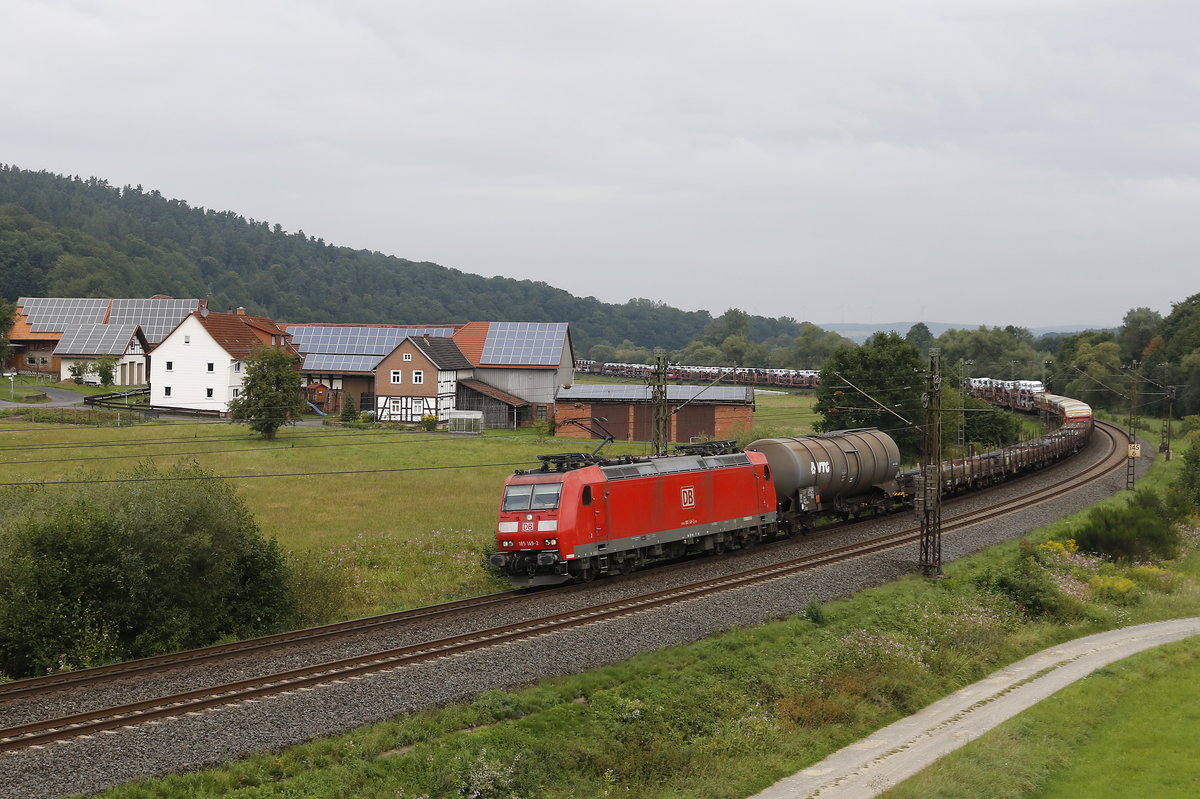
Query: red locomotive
{"type": "Point", "coordinates": [579, 515]}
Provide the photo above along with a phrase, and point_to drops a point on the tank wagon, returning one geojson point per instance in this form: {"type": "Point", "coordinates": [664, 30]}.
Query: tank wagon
{"type": "Point", "coordinates": [848, 472]}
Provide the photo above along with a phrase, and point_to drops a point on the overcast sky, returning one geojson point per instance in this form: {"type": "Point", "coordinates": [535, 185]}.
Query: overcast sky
{"type": "Point", "coordinates": [1030, 162]}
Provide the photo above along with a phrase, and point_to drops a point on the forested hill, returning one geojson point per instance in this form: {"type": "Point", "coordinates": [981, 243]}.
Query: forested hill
{"type": "Point", "coordinates": [68, 237]}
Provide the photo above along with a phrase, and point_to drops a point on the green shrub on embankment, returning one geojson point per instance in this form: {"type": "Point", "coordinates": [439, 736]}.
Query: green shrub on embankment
{"type": "Point", "coordinates": [171, 559]}
{"type": "Point", "coordinates": [731, 714]}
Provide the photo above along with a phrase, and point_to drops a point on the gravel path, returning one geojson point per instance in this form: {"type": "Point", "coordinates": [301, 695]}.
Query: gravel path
{"type": "Point", "coordinates": [212, 737]}
{"type": "Point", "coordinates": [869, 767]}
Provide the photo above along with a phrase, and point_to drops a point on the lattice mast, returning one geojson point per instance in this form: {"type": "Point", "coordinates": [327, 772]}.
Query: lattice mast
{"type": "Point", "coordinates": [930, 494]}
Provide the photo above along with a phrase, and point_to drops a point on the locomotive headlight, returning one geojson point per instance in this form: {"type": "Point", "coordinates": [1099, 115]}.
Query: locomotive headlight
{"type": "Point", "coordinates": [550, 542]}
{"type": "Point", "coordinates": [506, 543]}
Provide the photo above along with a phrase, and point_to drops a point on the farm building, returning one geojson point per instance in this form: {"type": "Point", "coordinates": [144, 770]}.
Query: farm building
{"type": "Point", "coordinates": [509, 371]}
{"type": "Point", "coordinates": [340, 360]}
{"type": "Point", "coordinates": [49, 335]}
{"type": "Point", "coordinates": [695, 412]}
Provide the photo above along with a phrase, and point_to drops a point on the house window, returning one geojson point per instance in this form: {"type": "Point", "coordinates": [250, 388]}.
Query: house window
{"type": "Point", "coordinates": [396, 376]}
{"type": "Point", "coordinates": [408, 356]}
{"type": "Point", "coordinates": [208, 393]}
{"type": "Point", "coordinates": [210, 367]}
{"type": "Point", "coordinates": [166, 391]}
{"type": "Point", "coordinates": [237, 366]}
{"type": "Point", "coordinates": [237, 392]}
{"type": "Point", "coordinates": [170, 365]}
{"type": "Point", "coordinates": [418, 377]}
{"type": "Point", "coordinates": [541, 412]}
{"type": "Point", "coordinates": [187, 339]}
{"type": "Point", "coordinates": [31, 360]}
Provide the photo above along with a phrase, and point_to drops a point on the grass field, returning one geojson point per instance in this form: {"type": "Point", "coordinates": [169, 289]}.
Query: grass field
{"type": "Point", "coordinates": [766, 701]}
{"type": "Point", "coordinates": [406, 518]}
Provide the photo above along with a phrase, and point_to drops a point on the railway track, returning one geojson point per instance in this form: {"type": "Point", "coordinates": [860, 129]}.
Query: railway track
{"type": "Point", "coordinates": [40, 733]}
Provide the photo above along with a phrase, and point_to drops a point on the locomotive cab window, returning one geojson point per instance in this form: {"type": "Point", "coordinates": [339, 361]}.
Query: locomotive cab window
{"type": "Point", "coordinates": [546, 495]}
{"type": "Point", "coordinates": [539, 496]}
{"type": "Point", "coordinates": [517, 497]}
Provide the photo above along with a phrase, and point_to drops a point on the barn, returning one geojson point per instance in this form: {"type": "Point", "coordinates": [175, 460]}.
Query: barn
{"type": "Point", "coordinates": [695, 412]}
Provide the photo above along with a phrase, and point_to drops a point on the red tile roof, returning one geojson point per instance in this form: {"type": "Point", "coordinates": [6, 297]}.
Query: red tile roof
{"type": "Point", "coordinates": [470, 338]}
{"type": "Point", "coordinates": [240, 334]}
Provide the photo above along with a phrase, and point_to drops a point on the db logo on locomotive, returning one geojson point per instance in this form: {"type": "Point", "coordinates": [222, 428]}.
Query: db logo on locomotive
{"type": "Point", "coordinates": [688, 496]}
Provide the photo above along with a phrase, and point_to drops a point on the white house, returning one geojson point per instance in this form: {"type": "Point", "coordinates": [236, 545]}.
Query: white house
{"type": "Point", "coordinates": [198, 366]}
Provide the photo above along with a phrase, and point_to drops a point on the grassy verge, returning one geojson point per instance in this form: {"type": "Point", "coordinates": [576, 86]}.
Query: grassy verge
{"type": "Point", "coordinates": [729, 715]}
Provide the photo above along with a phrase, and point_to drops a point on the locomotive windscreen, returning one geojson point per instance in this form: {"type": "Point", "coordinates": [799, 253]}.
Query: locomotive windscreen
{"type": "Point", "coordinates": [535, 496]}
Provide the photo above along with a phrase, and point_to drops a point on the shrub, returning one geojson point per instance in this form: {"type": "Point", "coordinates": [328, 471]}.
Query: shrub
{"type": "Point", "coordinates": [93, 572]}
{"type": "Point", "coordinates": [1156, 579]}
{"type": "Point", "coordinates": [1113, 589]}
{"type": "Point", "coordinates": [1031, 586]}
{"type": "Point", "coordinates": [1188, 480]}
{"type": "Point", "coordinates": [429, 422]}
{"type": "Point", "coordinates": [1138, 531]}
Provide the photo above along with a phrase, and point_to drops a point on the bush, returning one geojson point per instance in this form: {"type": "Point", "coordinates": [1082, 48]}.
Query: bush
{"type": "Point", "coordinates": [1031, 587]}
{"type": "Point", "coordinates": [92, 573]}
{"type": "Point", "coordinates": [1188, 480]}
{"type": "Point", "coordinates": [429, 422]}
{"type": "Point", "coordinates": [1156, 579]}
{"type": "Point", "coordinates": [1138, 531]}
{"type": "Point", "coordinates": [1113, 589]}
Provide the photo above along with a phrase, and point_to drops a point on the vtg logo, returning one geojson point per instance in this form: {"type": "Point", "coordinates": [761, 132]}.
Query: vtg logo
{"type": "Point", "coordinates": [688, 496]}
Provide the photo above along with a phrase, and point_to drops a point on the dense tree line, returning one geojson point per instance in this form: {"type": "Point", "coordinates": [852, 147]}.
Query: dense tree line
{"type": "Point", "coordinates": [72, 237]}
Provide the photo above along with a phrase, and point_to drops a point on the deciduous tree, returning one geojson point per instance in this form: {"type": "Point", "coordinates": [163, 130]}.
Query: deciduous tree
{"type": "Point", "coordinates": [270, 396]}
{"type": "Point", "coordinates": [885, 371]}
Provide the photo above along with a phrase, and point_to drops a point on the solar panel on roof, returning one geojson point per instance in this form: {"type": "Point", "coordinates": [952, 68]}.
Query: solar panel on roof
{"type": "Point", "coordinates": [95, 340]}
{"type": "Point", "coordinates": [317, 362]}
{"type": "Point", "coordinates": [352, 340]}
{"type": "Point", "coordinates": [55, 314]}
{"type": "Point", "coordinates": [524, 343]}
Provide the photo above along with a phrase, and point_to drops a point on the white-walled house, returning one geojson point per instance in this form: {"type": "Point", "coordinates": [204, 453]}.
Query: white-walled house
{"type": "Point", "coordinates": [198, 366]}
